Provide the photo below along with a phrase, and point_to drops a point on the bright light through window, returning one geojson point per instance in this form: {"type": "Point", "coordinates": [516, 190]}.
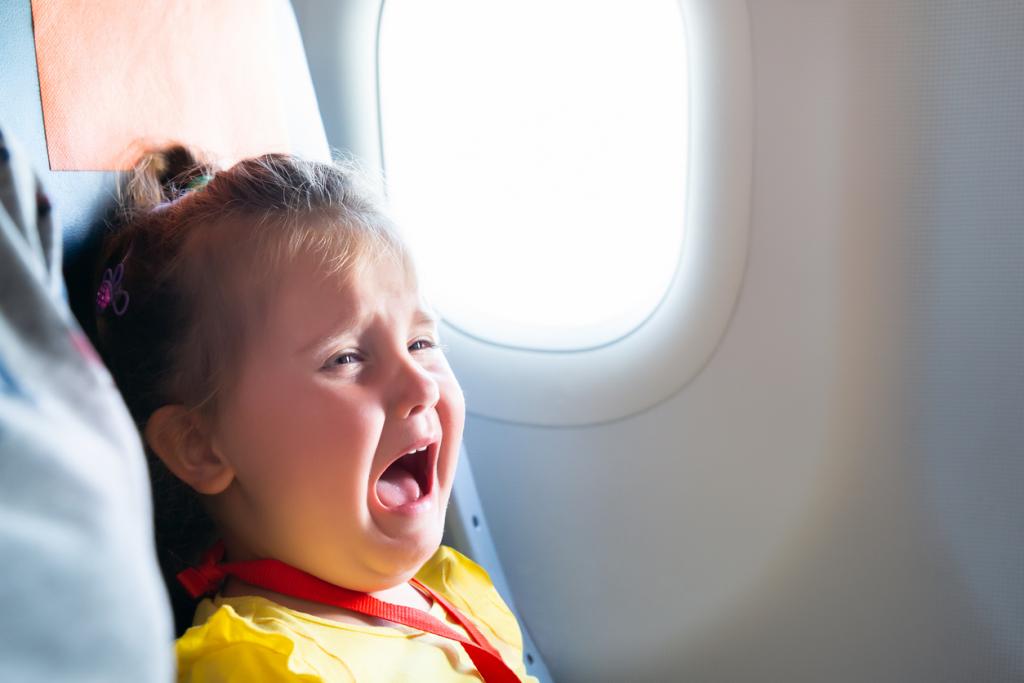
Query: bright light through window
{"type": "Point", "coordinates": [535, 152]}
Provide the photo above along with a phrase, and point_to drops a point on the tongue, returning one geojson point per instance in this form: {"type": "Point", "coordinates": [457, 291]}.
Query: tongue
{"type": "Point", "coordinates": [397, 486]}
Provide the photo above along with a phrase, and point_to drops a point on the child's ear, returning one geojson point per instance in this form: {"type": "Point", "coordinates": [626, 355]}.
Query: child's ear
{"type": "Point", "coordinates": [177, 437]}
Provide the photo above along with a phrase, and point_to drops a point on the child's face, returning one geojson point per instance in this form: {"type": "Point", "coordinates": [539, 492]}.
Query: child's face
{"type": "Point", "coordinates": [340, 381]}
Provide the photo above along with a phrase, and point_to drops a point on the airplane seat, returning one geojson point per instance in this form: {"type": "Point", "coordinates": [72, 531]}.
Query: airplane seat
{"type": "Point", "coordinates": [81, 197]}
{"type": "Point", "coordinates": [83, 200]}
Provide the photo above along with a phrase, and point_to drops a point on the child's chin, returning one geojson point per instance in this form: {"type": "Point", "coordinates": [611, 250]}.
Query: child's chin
{"type": "Point", "coordinates": [427, 542]}
{"type": "Point", "coordinates": [418, 548]}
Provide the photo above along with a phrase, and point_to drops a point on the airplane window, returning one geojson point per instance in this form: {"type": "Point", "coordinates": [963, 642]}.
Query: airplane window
{"type": "Point", "coordinates": [536, 156]}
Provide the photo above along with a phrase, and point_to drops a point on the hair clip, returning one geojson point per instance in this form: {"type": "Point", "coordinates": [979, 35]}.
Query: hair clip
{"type": "Point", "coordinates": [110, 292]}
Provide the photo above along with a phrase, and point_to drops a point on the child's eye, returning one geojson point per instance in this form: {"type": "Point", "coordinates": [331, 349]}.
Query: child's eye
{"type": "Point", "coordinates": [427, 344]}
{"type": "Point", "coordinates": [342, 359]}
{"type": "Point", "coordinates": [349, 357]}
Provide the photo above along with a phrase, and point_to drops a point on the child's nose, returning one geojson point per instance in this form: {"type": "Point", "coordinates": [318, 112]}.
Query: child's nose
{"type": "Point", "coordinates": [416, 389]}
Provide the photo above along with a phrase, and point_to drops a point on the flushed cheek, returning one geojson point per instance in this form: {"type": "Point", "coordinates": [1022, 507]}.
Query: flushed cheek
{"type": "Point", "coordinates": [315, 503]}
{"type": "Point", "coordinates": [321, 421]}
{"type": "Point", "coordinates": [300, 451]}
{"type": "Point", "coordinates": [337, 491]}
{"type": "Point", "coordinates": [332, 471]}
{"type": "Point", "coordinates": [335, 444]}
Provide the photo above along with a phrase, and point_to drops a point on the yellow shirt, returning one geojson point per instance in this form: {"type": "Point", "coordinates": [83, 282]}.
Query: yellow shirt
{"type": "Point", "coordinates": [249, 638]}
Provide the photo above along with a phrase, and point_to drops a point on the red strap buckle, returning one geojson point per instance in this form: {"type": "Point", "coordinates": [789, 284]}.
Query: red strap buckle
{"type": "Point", "coordinates": [207, 577]}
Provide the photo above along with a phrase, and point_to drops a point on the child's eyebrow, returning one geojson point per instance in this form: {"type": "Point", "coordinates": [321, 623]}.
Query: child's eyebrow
{"type": "Point", "coordinates": [424, 317]}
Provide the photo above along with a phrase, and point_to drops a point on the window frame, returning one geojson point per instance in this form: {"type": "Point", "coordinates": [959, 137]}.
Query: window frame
{"type": "Point", "coordinates": [631, 374]}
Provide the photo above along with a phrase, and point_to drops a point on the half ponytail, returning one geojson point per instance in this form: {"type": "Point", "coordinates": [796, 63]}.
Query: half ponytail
{"type": "Point", "coordinates": [162, 176]}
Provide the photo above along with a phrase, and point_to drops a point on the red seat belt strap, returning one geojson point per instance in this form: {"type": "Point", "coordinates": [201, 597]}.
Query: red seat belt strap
{"type": "Point", "coordinates": [283, 578]}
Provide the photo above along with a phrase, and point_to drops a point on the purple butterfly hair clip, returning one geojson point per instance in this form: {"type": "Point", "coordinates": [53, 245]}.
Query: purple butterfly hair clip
{"type": "Point", "coordinates": [110, 292]}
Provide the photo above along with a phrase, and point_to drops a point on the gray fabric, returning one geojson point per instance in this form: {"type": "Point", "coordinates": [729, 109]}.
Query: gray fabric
{"type": "Point", "coordinates": [81, 597]}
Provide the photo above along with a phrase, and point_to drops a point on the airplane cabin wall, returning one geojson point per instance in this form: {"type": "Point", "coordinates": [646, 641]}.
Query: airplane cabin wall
{"type": "Point", "coordinates": [835, 497]}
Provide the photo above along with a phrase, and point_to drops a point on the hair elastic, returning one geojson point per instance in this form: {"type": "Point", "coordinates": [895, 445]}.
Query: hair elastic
{"type": "Point", "coordinates": [199, 182]}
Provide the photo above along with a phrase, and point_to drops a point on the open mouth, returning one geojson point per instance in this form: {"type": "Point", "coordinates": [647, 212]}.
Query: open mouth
{"type": "Point", "coordinates": [408, 479]}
